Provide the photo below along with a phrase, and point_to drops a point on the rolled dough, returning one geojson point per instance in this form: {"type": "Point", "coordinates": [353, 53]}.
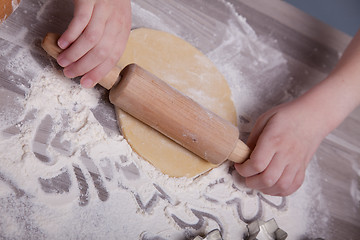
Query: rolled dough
{"type": "Point", "coordinates": [185, 68]}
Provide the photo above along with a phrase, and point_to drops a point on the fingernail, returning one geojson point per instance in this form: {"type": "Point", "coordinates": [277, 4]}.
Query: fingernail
{"type": "Point", "coordinates": [63, 61]}
{"type": "Point", "coordinates": [68, 73]}
{"type": "Point", "coordinates": [87, 83]}
{"type": "Point", "coordinates": [63, 44]}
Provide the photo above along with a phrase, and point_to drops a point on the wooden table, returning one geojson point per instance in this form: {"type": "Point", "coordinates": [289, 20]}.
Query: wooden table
{"type": "Point", "coordinates": [311, 50]}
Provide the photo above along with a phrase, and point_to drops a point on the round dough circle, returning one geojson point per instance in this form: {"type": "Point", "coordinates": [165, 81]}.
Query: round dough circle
{"type": "Point", "coordinates": [185, 68]}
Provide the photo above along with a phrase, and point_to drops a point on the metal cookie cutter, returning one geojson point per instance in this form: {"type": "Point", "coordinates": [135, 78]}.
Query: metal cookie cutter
{"type": "Point", "coordinates": [213, 235]}
{"type": "Point", "coordinates": [261, 230]}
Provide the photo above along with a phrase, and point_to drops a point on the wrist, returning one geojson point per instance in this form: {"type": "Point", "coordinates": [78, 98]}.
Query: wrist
{"type": "Point", "coordinates": [330, 102]}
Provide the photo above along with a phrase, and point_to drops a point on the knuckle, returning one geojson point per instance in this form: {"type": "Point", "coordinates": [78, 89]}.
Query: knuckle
{"type": "Point", "coordinates": [283, 186]}
{"type": "Point", "coordinates": [82, 18]}
{"type": "Point", "coordinates": [114, 59]}
{"type": "Point", "coordinates": [71, 72]}
{"type": "Point", "coordinates": [294, 186]}
{"type": "Point", "coordinates": [276, 140]}
{"type": "Point", "coordinates": [103, 52]}
{"type": "Point", "coordinates": [72, 57]}
{"type": "Point", "coordinates": [299, 181]}
{"type": "Point", "coordinates": [92, 36]}
{"type": "Point", "coordinates": [268, 181]}
{"type": "Point", "coordinates": [259, 166]}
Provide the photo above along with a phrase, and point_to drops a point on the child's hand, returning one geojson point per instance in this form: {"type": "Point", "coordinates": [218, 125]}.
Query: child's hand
{"type": "Point", "coordinates": [95, 39]}
{"type": "Point", "coordinates": [285, 138]}
{"type": "Point", "coordinates": [283, 141]}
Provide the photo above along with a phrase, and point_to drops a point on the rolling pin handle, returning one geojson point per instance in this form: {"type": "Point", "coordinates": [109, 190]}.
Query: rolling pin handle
{"type": "Point", "coordinates": [49, 44]}
{"type": "Point", "coordinates": [240, 153]}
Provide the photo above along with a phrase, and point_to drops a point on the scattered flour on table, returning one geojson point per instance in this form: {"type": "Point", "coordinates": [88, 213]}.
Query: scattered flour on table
{"type": "Point", "coordinates": [355, 183]}
{"type": "Point", "coordinates": [63, 176]}
{"type": "Point", "coordinates": [15, 4]}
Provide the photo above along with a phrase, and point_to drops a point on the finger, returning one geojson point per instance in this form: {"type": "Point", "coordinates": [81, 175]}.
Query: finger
{"type": "Point", "coordinates": [98, 54]}
{"type": "Point", "coordinates": [82, 14]}
{"type": "Point", "coordinates": [95, 75]}
{"type": "Point", "coordinates": [258, 129]}
{"type": "Point", "coordinates": [284, 182]}
{"type": "Point", "coordinates": [298, 181]}
{"type": "Point", "coordinates": [87, 40]}
{"type": "Point", "coordinates": [259, 159]}
{"type": "Point", "coordinates": [269, 177]}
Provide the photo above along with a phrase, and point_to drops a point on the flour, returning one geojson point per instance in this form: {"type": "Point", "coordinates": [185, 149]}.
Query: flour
{"type": "Point", "coordinates": [63, 175]}
{"type": "Point", "coordinates": [355, 183]}
{"type": "Point", "coordinates": [126, 180]}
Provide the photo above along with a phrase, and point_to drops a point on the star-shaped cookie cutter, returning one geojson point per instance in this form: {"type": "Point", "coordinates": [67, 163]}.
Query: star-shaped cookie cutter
{"type": "Point", "coordinates": [265, 230]}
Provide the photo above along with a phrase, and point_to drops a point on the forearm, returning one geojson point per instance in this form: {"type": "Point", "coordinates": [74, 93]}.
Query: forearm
{"type": "Point", "coordinates": [333, 99]}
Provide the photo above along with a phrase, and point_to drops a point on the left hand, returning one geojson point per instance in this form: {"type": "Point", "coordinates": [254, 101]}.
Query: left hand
{"type": "Point", "coordinates": [95, 39]}
{"type": "Point", "coordinates": [283, 141]}
{"type": "Point", "coordinates": [285, 138]}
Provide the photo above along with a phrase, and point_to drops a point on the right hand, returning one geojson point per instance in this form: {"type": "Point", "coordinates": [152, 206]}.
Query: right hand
{"type": "Point", "coordinates": [95, 39]}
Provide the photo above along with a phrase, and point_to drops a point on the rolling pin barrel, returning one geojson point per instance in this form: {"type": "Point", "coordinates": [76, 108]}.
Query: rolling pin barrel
{"type": "Point", "coordinates": [162, 107]}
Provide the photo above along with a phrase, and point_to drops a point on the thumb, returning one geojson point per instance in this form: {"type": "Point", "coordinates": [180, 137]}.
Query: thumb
{"type": "Point", "coordinates": [258, 128]}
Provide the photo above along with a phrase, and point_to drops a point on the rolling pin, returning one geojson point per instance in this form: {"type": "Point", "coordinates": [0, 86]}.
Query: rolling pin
{"type": "Point", "coordinates": [7, 7]}
{"type": "Point", "coordinates": [155, 103]}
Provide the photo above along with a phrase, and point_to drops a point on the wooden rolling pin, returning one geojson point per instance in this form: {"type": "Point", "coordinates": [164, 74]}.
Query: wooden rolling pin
{"type": "Point", "coordinates": [7, 7]}
{"type": "Point", "coordinates": [154, 102]}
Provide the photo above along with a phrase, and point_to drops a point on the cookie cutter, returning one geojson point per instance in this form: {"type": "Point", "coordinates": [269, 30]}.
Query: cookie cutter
{"type": "Point", "coordinates": [213, 235]}
{"type": "Point", "coordinates": [257, 230]}
{"type": "Point", "coordinates": [265, 230]}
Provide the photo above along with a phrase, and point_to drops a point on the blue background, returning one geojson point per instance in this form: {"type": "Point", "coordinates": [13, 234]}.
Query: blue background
{"type": "Point", "coordinates": [341, 14]}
